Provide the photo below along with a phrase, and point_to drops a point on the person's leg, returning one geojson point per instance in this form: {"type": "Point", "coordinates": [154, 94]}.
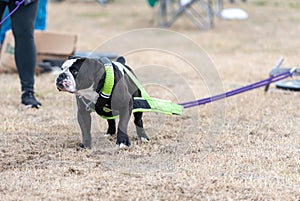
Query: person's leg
{"type": "Point", "coordinates": [22, 22]}
{"type": "Point", "coordinates": [25, 51]}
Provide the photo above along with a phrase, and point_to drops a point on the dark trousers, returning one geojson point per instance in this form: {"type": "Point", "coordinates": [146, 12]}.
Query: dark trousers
{"type": "Point", "coordinates": [22, 23]}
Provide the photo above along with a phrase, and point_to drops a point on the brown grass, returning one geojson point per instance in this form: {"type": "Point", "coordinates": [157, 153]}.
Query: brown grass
{"type": "Point", "coordinates": [244, 148]}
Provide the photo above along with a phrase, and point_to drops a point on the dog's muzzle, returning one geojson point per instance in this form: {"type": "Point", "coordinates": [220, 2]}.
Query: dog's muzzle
{"type": "Point", "coordinates": [60, 81]}
{"type": "Point", "coordinates": [66, 82]}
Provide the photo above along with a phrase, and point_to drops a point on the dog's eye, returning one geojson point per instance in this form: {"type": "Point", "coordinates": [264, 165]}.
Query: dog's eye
{"type": "Point", "coordinates": [74, 72]}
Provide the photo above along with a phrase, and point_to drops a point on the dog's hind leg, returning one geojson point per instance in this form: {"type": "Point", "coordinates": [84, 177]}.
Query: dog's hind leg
{"type": "Point", "coordinates": [138, 121]}
{"type": "Point", "coordinates": [122, 137]}
{"type": "Point", "coordinates": [111, 127]}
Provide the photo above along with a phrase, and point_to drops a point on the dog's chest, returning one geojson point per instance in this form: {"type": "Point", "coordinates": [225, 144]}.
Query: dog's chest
{"type": "Point", "coordinates": [89, 93]}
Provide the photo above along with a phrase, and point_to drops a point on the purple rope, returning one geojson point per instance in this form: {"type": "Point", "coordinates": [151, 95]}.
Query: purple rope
{"type": "Point", "coordinates": [238, 91]}
{"type": "Point", "coordinates": [18, 3]}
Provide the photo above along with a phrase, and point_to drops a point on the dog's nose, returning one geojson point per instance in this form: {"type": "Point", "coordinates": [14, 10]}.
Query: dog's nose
{"type": "Point", "coordinates": [62, 76]}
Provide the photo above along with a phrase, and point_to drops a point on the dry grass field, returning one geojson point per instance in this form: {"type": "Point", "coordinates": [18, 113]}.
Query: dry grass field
{"type": "Point", "coordinates": [246, 147]}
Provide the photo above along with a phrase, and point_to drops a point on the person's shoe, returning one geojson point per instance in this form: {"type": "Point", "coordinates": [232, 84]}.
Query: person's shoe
{"type": "Point", "coordinates": [29, 100]}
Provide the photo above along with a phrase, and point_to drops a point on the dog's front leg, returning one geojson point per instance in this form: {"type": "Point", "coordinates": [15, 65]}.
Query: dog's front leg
{"type": "Point", "coordinates": [122, 137]}
{"type": "Point", "coordinates": [84, 120]}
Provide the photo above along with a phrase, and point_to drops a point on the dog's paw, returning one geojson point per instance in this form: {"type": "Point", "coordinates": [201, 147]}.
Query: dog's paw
{"type": "Point", "coordinates": [122, 138]}
{"type": "Point", "coordinates": [144, 139]}
{"type": "Point", "coordinates": [107, 135]}
{"type": "Point", "coordinates": [110, 132]}
{"type": "Point", "coordinates": [123, 142]}
{"type": "Point", "coordinates": [142, 134]}
{"type": "Point", "coordinates": [122, 146]}
{"type": "Point", "coordinates": [82, 146]}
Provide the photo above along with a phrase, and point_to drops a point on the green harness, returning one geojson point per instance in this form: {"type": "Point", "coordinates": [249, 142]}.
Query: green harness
{"type": "Point", "coordinates": [141, 104]}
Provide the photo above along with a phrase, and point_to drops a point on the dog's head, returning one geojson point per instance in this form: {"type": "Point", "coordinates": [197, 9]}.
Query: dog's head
{"type": "Point", "coordinates": [79, 73]}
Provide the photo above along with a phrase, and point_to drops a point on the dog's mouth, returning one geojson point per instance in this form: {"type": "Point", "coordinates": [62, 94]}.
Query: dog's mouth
{"type": "Point", "coordinates": [65, 82]}
{"type": "Point", "coordinates": [60, 87]}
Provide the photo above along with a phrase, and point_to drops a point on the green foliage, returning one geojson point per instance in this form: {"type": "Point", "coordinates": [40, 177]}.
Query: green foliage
{"type": "Point", "coordinates": [260, 3]}
{"type": "Point", "coordinates": [295, 5]}
{"type": "Point", "coordinates": [289, 4]}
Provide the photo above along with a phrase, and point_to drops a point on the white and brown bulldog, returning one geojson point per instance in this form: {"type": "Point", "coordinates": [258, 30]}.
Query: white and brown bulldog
{"type": "Point", "coordinates": [103, 86]}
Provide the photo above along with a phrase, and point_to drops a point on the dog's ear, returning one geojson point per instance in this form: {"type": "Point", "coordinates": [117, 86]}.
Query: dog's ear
{"type": "Point", "coordinates": [77, 64]}
{"type": "Point", "coordinates": [121, 60]}
{"type": "Point", "coordinates": [72, 62]}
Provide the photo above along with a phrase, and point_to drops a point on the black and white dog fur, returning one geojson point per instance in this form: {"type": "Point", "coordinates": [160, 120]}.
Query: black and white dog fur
{"type": "Point", "coordinates": [85, 78]}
